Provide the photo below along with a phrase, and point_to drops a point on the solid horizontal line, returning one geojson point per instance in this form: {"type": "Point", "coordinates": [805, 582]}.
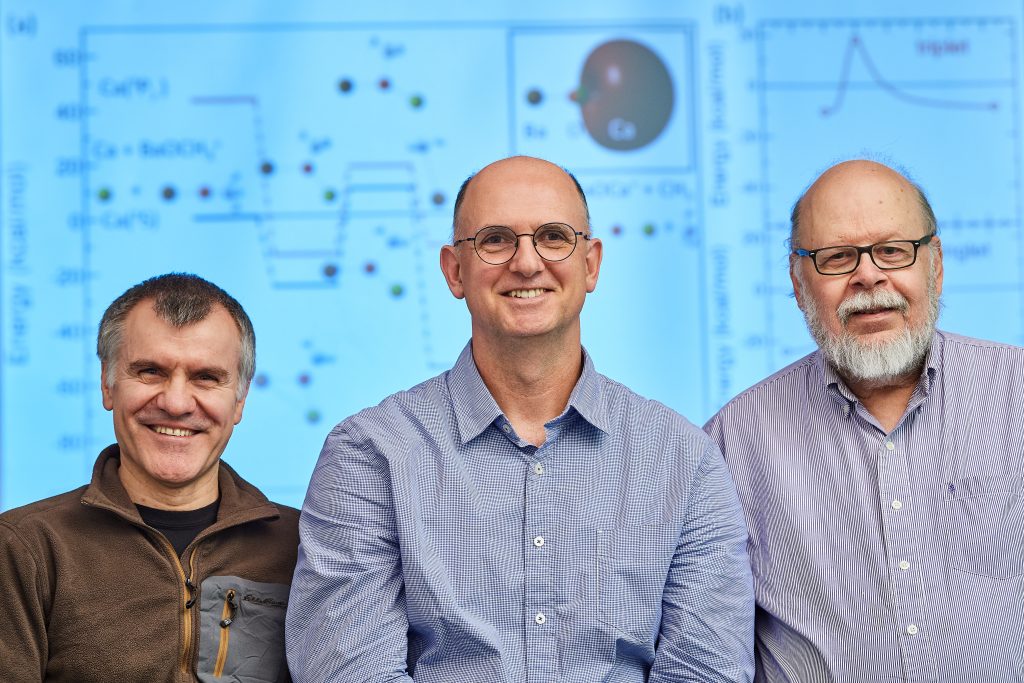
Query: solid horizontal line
{"type": "Point", "coordinates": [869, 85]}
{"type": "Point", "coordinates": [302, 253]}
{"type": "Point", "coordinates": [266, 216]}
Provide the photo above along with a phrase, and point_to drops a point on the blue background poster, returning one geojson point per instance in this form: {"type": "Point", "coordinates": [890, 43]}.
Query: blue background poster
{"type": "Point", "coordinates": [305, 156]}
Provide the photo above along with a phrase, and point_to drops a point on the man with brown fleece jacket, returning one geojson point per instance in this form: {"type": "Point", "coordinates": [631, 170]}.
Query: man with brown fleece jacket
{"type": "Point", "coordinates": [168, 566]}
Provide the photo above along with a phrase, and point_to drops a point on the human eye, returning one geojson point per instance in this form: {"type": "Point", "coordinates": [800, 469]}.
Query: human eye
{"type": "Point", "coordinates": [893, 252]}
{"type": "Point", "coordinates": [555, 236]}
{"type": "Point", "coordinates": [495, 239]}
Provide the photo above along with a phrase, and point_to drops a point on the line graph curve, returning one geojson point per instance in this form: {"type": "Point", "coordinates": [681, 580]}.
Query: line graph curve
{"type": "Point", "coordinates": [856, 46]}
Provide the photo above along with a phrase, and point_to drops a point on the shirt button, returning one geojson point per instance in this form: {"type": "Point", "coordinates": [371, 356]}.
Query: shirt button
{"type": "Point", "coordinates": [897, 505]}
{"type": "Point", "coordinates": [912, 630]}
{"type": "Point", "coordinates": [904, 565]}
{"type": "Point", "coordinates": [846, 409]}
{"type": "Point", "coordinates": [890, 445]}
{"type": "Point", "coordinates": [538, 468]}
{"type": "Point", "coordinates": [506, 428]}
{"type": "Point", "coordinates": [540, 618]}
{"type": "Point", "coordinates": [538, 541]}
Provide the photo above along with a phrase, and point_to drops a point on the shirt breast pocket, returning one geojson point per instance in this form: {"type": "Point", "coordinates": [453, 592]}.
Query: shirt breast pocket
{"type": "Point", "coordinates": [985, 526]}
{"type": "Point", "coordinates": [241, 631]}
{"type": "Point", "coordinates": [632, 567]}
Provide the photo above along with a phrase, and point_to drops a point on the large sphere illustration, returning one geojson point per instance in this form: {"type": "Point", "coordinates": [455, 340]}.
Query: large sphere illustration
{"type": "Point", "coordinates": [625, 95]}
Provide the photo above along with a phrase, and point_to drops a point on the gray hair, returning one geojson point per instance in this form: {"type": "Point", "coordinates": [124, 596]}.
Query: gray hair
{"type": "Point", "coordinates": [180, 299]}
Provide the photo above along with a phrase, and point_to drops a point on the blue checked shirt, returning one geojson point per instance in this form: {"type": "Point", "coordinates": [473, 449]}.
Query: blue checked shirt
{"type": "Point", "coordinates": [886, 556]}
{"type": "Point", "coordinates": [438, 546]}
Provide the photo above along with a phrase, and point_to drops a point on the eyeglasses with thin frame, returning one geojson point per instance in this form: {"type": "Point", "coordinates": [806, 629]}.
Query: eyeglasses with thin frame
{"type": "Point", "coordinates": [891, 255]}
{"type": "Point", "coordinates": [497, 244]}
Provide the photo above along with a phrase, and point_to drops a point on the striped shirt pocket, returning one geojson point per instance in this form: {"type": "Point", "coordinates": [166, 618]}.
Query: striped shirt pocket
{"type": "Point", "coordinates": [985, 526]}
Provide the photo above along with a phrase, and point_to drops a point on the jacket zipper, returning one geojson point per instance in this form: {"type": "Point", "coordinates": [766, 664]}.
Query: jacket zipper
{"type": "Point", "coordinates": [189, 597]}
{"type": "Point", "coordinates": [227, 616]}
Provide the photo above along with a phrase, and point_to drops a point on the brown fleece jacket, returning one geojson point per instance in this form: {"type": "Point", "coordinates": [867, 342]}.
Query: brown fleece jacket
{"type": "Point", "coordinates": [88, 592]}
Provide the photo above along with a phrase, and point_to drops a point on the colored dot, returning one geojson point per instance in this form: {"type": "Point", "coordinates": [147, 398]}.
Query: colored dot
{"type": "Point", "coordinates": [649, 229]}
{"type": "Point", "coordinates": [438, 198]}
{"type": "Point", "coordinates": [397, 290]}
{"type": "Point", "coordinates": [307, 167]}
{"type": "Point", "coordinates": [313, 416]}
{"type": "Point", "coordinates": [305, 379]}
{"type": "Point", "coordinates": [167, 193]}
{"type": "Point", "coordinates": [534, 96]}
{"type": "Point", "coordinates": [370, 267]}
{"type": "Point", "coordinates": [266, 168]}
{"type": "Point", "coordinates": [330, 270]}
{"type": "Point", "coordinates": [345, 85]}
{"type": "Point", "coordinates": [616, 230]}
{"type": "Point", "coordinates": [204, 192]}
{"type": "Point", "coordinates": [416, 101]}
{"type": "Point", "coordinates": [261, 380]}
{"type": "Point", "coordinates": [104, 194]}
{"type": "Point", "coordinates": [329, 195]}
{"type": "Point", "coordinates": [383, 84]}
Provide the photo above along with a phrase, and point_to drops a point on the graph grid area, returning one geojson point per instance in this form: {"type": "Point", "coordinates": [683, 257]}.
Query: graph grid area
{"type": "Point", "coordinates": [904, 91]}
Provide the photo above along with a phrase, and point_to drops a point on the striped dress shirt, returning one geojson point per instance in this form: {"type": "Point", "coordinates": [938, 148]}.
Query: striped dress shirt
{"type": "Point", "coordinates": [438, 546]}
{"type": "Point", "coordinates": [886, 556]}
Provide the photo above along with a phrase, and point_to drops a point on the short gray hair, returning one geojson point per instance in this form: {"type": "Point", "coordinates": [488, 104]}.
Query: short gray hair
{"type": "Point", "coordinates": [180, 299]}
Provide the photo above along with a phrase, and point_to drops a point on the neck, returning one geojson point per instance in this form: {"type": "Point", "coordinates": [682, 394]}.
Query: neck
{"type": "Point", "coordinates": [530, 380]}
{"type": "Point", "coordinates": [143, 491]}
{"type": "Point", "coordinates": [886, 399]}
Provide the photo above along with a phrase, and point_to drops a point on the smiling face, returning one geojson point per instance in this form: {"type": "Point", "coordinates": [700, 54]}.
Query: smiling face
{"type": "Point", "coordinates": [175, 399]}
{"type": "Point", "coordinates": [527, 296]}
{"type": "Point", "coordinates": [869, 310]}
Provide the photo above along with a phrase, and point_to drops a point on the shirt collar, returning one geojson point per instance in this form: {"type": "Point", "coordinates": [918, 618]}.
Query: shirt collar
{"type": "Point", "coordinates": [476, 409]}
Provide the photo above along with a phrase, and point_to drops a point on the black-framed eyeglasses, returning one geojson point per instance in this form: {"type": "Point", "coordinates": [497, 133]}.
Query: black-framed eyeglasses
{"type": "Point", "coordinates": [497, 244]}
{"type": "Point", "coordinates": [891, 255]}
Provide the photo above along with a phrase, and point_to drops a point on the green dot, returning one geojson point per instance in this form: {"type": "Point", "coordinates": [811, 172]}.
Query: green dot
{"type": "Point", "coordinates": [416, 101]}
{"type": "Point", "coordinates": [104, 194]}
{"type": "Point", "coordinates": [313, 416]}
{"type": "Point", "coordinates": [397, 290]}
{"type": "Point", "coordinates": [649, 229]}
{"type": "Point", "coordinates": [329, 195]}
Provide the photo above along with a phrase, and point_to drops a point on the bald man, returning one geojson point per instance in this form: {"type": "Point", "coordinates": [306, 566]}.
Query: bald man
{"type": "Point", "coordinates": [881, 476]}
{"type": "Point", "coordinates": [521, 517]}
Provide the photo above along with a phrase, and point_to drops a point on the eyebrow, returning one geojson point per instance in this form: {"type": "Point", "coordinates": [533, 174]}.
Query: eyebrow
{"type": "Point", "coordinates": [221, 374]}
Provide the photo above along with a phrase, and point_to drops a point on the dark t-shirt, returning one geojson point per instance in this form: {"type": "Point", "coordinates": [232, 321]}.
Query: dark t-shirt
{"type": "Point", "coordinates": [180, 527]}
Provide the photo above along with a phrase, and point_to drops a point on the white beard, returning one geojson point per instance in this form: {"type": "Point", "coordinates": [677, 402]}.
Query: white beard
{"type": "Point", "coordinates": [880, 361]}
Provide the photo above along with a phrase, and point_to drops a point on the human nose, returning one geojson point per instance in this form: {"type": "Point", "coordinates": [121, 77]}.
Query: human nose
{"type": "Point", "coordinates": [867, 274]}
{"type": "Point", "coordinates": [176, 397]}
{"type": "Point", "coordinates": [527, 260]}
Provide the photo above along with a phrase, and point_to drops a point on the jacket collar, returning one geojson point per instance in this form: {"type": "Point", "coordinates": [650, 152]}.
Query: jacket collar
{"type": "Point", "coordinates": [240, 501]}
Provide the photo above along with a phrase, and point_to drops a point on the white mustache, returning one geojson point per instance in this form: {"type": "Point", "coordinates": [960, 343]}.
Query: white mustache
{"type": "Point", "coordinates": [869, 301]}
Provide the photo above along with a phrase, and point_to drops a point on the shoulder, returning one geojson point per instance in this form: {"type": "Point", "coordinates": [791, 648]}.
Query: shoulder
{"type": "Point", "coordinates": [36, 526]}
{"type": "Point", "coordinates": [44, 513]}
{"type": "Point", "coordinates": [780, 386]}
{"type": "Point", "coordinates": [959, 346]}
{"type": "Point", "coordinates": [633, 414]}
{"type": "Point", "coordinates": [398, 419]}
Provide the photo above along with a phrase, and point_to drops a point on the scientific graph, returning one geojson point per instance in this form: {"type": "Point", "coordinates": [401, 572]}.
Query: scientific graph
{"type": "Point", "coordinates": [306, 156]}
{"type": "Point", "coordinates": [321, 202]}
{"type": "Point", "coordinates": [902, 90]}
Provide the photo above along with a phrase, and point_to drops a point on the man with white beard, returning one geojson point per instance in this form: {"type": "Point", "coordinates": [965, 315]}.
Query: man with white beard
{"type": "Point", "coordinates": [882, 476]}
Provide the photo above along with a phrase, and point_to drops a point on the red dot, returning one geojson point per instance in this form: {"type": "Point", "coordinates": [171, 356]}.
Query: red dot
{"type": "Point", "coordinates": [307, 167]}
{"type": "Point", "coordinates": [370, 267]}
{"type": "Point", "coordinates": [617, 230]}
{"type": "Point", "coordinates": [204, 192]}
{"type": "Point", "coordinates": [384, 84]}
{"type": "Point", "coordinates": [304, 378]}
